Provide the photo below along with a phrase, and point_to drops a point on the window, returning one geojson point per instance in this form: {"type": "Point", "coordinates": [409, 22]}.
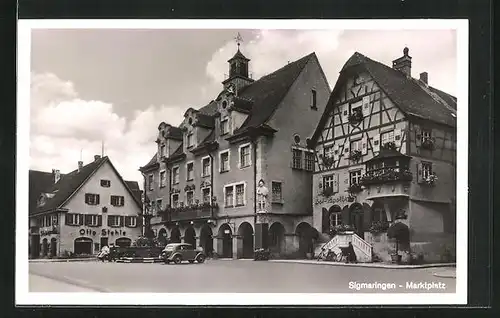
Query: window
{"type": "Point", "coordinates": [356, 145]}
{"type": "Point", "coordinates": [328, 151]}
{"type": "Point", "coordinates": [296, 159]}
{"type": "Point", "coordinates": [224, 126]}
{"type": "Point", "coordinates": [205, 165]}
{"type": "Point", "coordinates": [163, 151]}
{"type": "Point", "coordinates": [277, 195]}
{"type": "Point", "coordinates": [190, 141]}
{"type": "Point", "coordinates": [313, 99]}
{"type": "Point", "coordinates": [328, 181]}
{"type": "Point", "coordinates": [132, 220]}
{"type": "Point", "coordinates": [356, 107]}
{"type": "Point", "coordinates": [354, 177]}
{"type": "Point", "coordinates": [159, 204]}
{"type": "Point", "coordinates": [335, 219]}
{"type": "Point", "coordinates": [48, 220]}
{"type": "Point", "coordinates": [206, 197]}
{"type": "Point", "coordinates": [175, 175]}
{"type": "Point", "coordinates": [150, 181]}
{"type": "Point", "coordinates": [245, 156]}
{"type": "Point", "coordinates": [426, 170]}
{"type": "Point", "coordinates": [114, 220]}
{"type": "Point", "coordinates": [229, 197]}
{"type": "Point", "coordinates": [387, 137]}
{"type": "Point", "coordinates": [105, 183]}
{"type": "Point", "coordinates": [426, 134]}
{"type": "Point", "coordinates": [117, 200]}
{"type": "Point", "coordinates": [71, 219]}
{"type": "Point", "coordinates": [309, 161]}
{"type": "Point", "coordinates": [92, 220]}
{"type": "Point", "coordinates": [91, 198]}
{"type": "Point", "coordinates": [224, 161]}
{"type": "Point", "coordinates": [190, 171]}
{"type": "Point", "coordinates": [189, 198]}
{"type": "Point", "coordinates": [240, 194]}
{"type": "Point", "coordinates": [175, 200]}
{"type": "Point", "coordinates": [163, 179]}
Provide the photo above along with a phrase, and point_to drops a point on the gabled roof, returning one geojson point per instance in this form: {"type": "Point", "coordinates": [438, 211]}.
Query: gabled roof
{"type": "Point", "coordinates": [174, 133]}
{"type": "Point", "coordinates": [208, 143]}
{"type": "Point", "coordinates": [266, 93]}
{"type": "Point", "coordinates": [39, 181]}
{"type": "Point", "coordinates": [134, 187]}
{"type": "Point", "coordinates": [414, 98]}
{"type": "Point", "coordinates": [69, 184]}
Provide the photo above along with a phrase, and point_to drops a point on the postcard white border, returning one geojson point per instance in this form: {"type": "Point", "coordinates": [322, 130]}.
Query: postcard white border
{"type": "Point", "coordinates": [24, 297]}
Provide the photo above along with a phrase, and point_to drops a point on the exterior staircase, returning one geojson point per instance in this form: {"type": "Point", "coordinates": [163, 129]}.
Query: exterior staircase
{"type": "Point", "coordinates": [362, 248]}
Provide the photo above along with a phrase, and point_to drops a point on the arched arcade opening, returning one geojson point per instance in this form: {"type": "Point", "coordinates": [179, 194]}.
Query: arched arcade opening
{"type": "Point", "coordinates": [245, 232]}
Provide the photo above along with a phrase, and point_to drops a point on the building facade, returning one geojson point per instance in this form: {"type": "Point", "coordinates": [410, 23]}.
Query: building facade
{"type": "Point", "coordinates": [79, 212]}
{"type": "Point", "coordinates": [237, 173]}
{"type": "Point", "coordinates": [385, 152]}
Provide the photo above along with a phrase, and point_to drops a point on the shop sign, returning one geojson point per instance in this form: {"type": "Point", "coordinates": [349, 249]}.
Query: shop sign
{"type": "Point", "coordinates": [104, 232]}
{"type": "Point", "coordinates": [48, 232]}
{"type": "Point", "coordinates": [332, 199]}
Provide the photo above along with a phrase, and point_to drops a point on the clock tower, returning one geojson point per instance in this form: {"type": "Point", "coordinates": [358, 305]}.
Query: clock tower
{"type": "Point", "coordinates": [238, 70]}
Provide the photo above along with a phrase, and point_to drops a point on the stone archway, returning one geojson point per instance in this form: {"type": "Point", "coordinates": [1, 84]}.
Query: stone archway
{"type": "Point", "coordinates": [53, 247]}
{"type": "Point", "coordinates": [277, 238]}
{"type": "Point", "coordinates": [175, 235]}
{"type": "Point", "coordinates": [357, 218]}
{"type": "Point", "coordinates": [206, 240]}
{"type": "Point", "coordinates": [305, 234]}
{"type": "Point", "coordinates": [162, 236]}
{"type": "Point", "coordinates": [83, 245]}
{"type": "Point", "coordinates": [190, 236]}
{"type": "Point", "coordinates": [226, 240]}
{"type": "Point", "coordinates": [245, 232]}
{"type": "Point", "coordinates": [45, 247]}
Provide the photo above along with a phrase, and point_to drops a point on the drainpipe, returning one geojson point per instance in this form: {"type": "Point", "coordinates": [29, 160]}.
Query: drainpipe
{"type": "Point", "coordinates": [211, 184]}
{"type": "Point", "coordinates": [144, 206]}
{"type": "Point", "coordinates": [254, 150]}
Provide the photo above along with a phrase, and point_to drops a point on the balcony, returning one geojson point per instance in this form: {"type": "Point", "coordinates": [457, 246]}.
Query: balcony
{"type": "Point", "coordinates": [189, 213]}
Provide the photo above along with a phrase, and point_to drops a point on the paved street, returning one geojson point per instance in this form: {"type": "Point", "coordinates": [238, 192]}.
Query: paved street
{"type": "Point", "coordinates": [227, 276]}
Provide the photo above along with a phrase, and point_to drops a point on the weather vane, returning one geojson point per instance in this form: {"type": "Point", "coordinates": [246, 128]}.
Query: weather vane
{"type": "Point", "coordinates": [238, 39]}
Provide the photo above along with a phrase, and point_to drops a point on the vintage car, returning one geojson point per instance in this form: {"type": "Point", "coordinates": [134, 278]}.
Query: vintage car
{"type": "Point", "coordinates": [178, 252]}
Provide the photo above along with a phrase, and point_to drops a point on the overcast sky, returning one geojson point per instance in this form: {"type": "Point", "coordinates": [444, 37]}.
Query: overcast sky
{"type": "Point", "coordinates": [116, 86]}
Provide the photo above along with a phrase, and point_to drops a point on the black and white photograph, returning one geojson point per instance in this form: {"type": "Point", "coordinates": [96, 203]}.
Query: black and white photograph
{"type": "Point", "coordinates": [242, 162]}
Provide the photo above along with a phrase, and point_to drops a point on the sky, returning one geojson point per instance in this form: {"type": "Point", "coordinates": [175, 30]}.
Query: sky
{"type": "Point", "coordinates": [91, 87]}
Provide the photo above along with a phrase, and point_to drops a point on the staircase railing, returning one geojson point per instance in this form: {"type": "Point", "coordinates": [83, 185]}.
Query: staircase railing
{"type": "Point", "coordinates": [328, 246]}
{"type": "Point", "coordinates": [361, 244]}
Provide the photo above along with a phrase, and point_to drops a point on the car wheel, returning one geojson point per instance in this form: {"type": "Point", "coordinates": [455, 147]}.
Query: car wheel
{"type": "Point", "coordinates": [166, 261]}
{"type": "Point", "coordinates": [191, 261]}
{"type": "Point", "coordinates": [177, 259]}
{"type": "Point", "coordinates": [200, 259]}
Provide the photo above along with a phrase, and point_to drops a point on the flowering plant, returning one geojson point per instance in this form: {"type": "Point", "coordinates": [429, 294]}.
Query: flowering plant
{"type": "Point", "coordinates": [327, 160]}
{"type": "Point", "coordinates": [355, 155]}
{"type": "Point", "coordinates": [355, 117]}
{"type": "Point", "coordinates": [428, 143]}
{"type": "Point", "coordinates": [340, 228]}
{"type": "Point", "coordinates": [431, 179]}
{"type": "Point", "coordinates": [379, 227]}
{"type": "Point", "coordinates": [327, 191]}
{"type": "Point", "coordinates": [390, 145]}
{"type": "Point", "coordinates": [354, 188]}
{"type": "Point", "coordinates": [386, 175]}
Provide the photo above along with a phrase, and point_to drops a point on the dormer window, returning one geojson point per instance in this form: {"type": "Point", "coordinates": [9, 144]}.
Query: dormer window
{"type": "Point", "coordinates": [224, 126]}
{"type": "Point", "coordinates": [163, 150]}
{"type": "Point", "coordinates": [190, 140]}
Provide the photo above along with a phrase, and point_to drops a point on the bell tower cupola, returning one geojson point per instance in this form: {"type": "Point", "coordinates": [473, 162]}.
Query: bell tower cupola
{"type": "Point", "coordinates": [238, 69]}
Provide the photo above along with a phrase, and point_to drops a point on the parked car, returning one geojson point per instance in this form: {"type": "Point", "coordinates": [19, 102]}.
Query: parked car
{"type": "Point", "coordinates": [178, 252]}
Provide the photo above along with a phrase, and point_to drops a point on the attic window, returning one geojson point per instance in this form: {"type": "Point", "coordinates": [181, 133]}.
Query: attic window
{"type": "Point", "coordinates": [105, 183]}
{"type": "Point", "coordinates": [296, 139]}
{"type": "Point", "coordinates": [313, 99]}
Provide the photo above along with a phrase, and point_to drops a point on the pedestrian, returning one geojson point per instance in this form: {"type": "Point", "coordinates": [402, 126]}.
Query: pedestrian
{"type": "Point", "coordinates": [104, 253]}
{"type": "Point", "coordinates": [351, 255]}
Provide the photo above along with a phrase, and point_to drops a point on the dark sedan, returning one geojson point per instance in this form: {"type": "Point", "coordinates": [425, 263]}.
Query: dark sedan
{"type": "Point", "coordinates": [179, 252]}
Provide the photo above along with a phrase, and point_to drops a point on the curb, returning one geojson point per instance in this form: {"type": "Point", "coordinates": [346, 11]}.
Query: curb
{"type": "Point", "coordinates": [367, 265]}
{"type": "Point", "coordinates": [139, 260]}
{"type": "Point", "coordinates": [62, 260]}
{"type": "Point", "coordinates": [446, 275]}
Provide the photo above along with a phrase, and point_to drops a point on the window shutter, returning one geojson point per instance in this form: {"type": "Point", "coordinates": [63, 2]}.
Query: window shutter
{"type": "Point", "coordinates": [419, 172]}
{"type": "Point", "coordinates": [109, 220]}
{"type": "Point", "coordinates": [99, 220]}
{"type": "Point", "coordinates": [325, 220]}
{"type": "Point", "coordinates": [87, 198]}
{"type": "Point", "coordinates": [136, 220]}
{"type": "Point", "coordinates": [397, 137]}
{"type": "Point", "coordinates": [335, 183]}
{"type": "Point", "coordinates": [366, 106]}
{"type": "Point", "coordinates": [80, 219]}
{"type": "Point", "coordinates": [86, 219]}
{"type": "Point", "coordinates": [364, 149]}
{"type": "Point", "coordinates": [376, 143]}
{"type": "Point", "coordinates": [98, 199]}
{"type": "Point", "coordinates": [67, 216]}
{"type": "Point", "coordinates": [346, 215]}
{"type": "Point", "coordinates": [418, 136]}
{"type": "Point", "coordinates": [122, 219]}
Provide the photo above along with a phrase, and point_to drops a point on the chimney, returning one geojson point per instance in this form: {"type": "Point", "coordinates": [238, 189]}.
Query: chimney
{"type": "Point", "coordinates": [403, 64]}
{"type": "Point", "coordinates": [80, 165]}
{"type": "Point", "coordinates": [424, 77]}
{"type": "Point", "coordinates": [56, 174]}
{"type": "Point", "coordinates": [97, 157]}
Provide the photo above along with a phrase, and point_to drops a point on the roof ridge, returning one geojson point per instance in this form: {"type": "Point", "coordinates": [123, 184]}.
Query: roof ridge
{"type": "Point", "coordinates": [308, 56]}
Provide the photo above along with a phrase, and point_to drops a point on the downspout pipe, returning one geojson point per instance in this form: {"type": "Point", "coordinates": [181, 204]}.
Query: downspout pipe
{"type": "Point", "coordinates": [254, 150]}
{"type": "Point", "coordinates": [211, 184]}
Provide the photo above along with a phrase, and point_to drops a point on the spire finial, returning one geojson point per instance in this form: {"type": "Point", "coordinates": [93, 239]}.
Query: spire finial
{"type": "Point", "coordinates": [238, 39]}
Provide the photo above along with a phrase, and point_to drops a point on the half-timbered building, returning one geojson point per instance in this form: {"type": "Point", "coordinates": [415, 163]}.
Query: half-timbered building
{"type": "Point", "coordinates": [237, 173]}
{"type": "Point", "coordinates": [385, 152]}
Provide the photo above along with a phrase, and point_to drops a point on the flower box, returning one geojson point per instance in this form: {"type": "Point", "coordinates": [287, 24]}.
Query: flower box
{"type": "Point", "coordinates": [354, 188]}
{"type": "Point", "coordinates": [327, 191]}
{"type": "Point", "coordinates": [386, 175]}
{"type": "Point", "coordinates": [430, 180]}
{"type": "Point", "coordinates": [355, 155]}
{"type": "Point", "coordinates": [355, 118]}
{"type": "Point", "coordinates": [389, 145]}
{"type": "Point", "coordinates": [378, 227]}
{"type": "Point", "coordinates": [428, 144]}
{"type": "Point", "coordinates": [327, 161]}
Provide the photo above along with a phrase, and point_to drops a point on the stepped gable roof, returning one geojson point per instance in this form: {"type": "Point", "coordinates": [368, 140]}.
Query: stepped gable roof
{"type": "Point", "coordinates": [412, 96]}
{"type": "Point", "coordinates": [71, 182]}
{"type": "Point", "coordinates": [39, 181]}
{"type": "Point", "coordinates": [266, 93]}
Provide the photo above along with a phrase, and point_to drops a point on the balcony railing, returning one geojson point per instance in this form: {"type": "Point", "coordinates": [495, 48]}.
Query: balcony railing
{"type": "Point", "coordinates": [386, 175]}
{"type": "Point", "coordinates": [187, 213]}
